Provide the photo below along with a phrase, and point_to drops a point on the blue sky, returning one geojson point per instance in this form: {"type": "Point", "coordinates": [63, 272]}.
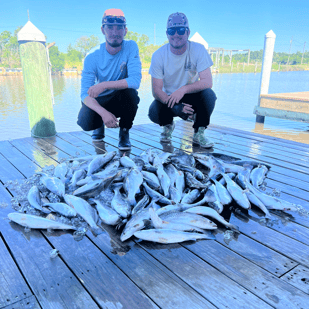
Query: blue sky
{"type": "Point", "coordinates": [226, 24]}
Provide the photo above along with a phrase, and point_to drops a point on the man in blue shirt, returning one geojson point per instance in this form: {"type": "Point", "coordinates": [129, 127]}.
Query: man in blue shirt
{"type": "Point", "coordinates": [110, 79]}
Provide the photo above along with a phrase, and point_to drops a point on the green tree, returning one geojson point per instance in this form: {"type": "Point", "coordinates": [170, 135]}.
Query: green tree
{"type": "Point", "coordinates": [142, 41]}
{"type": "Point", "coordinates": [73, 57]}
{"type": "Point", "coordinates": [84, 44]}
{"type": "Point", "coordinates": [56, 59]}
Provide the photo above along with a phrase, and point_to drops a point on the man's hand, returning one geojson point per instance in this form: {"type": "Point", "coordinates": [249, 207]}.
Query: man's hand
{"type": "Point", "coordinates": [95, 90]}
{"type": "Point", "coordinates": [175, 97]}
{"type": "Point", "coordinates": [110, 120]}
{"type": "Point", "coordinates": [187, 109]}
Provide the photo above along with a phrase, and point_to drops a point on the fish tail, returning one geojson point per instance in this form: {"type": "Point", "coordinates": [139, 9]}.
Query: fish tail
{"type": "Point", "coordinates": [235, 228]}
{"type": "Point", "coordinates": [96, 231]}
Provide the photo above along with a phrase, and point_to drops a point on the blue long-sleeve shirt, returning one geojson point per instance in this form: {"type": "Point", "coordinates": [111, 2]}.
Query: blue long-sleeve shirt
{"type": "Point", "coordinates": [100, 66]}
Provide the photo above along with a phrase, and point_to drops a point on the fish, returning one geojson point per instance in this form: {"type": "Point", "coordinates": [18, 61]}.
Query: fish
{"type": "Point", "coordinates": [231, 168]}
{"type": "Point", "coordinates": [61, 208]}
{"type": "Point", "coordinates": [192, 170]}
{"type": "Point", "coordinates": [35, 222]}
{"type": "Point", "coordinates": [85, 210]}
{"type": "Point", "coordinates": [175, 194]}
{"type": "Point", "coordinates": [215, 167]}
{"type": "Point", "coordinates": [152, 180]}
{"type": "Point", "coordinates": [216, 204]}
{"type": "Point", "coordinates": [119, 203]}
{"type": "Point", "coordinates": [99, 161]}
{"type": "Point", "coordinates": [255, 201]}
{"type": "Point", "coordinates": [127, 162]}
{"type": "Point", "coordinates": [207, 211]}
{"type": "Point", "coordinates": [190, 197]}
{"type": "Point", "coordinates": [90, 189]}
{"type": "Point", "coordinates": [237, 193]}
{"type": "Point", "coordinates": [156, 195]}
{"type": "Point", "coordinates": [53, 184]}
{"type": "Point", "coordinates": [165, 236]}
{"type": "Point", "coordinates": [78, 175]}
{"type": "Point", "coordinates": [224, 195]}
{"type": "Point", "coordinates": [60, 171]}
{"type": "Point", "coordinates": [158, 223]}
{"type": "Point", "coordinates": [107, 214]}
{"type": "Point", "coordinates": [34, 199]}
{"type": "Point", "coordinates": [272, 202]}
{"type": "Point", "coordinates": [180, 182]}
{"type": "Point", "coordinates": [136, 223]}
{"type": "Point", "coordinates": [140, 205]}
{"type": "Point", "coordinates": [180, 157]}
{"type": "Point", "coordinates": [132, 185]}
{"type": "Point", "coordinates": [171, 172]}
{"type": "Point", "coordinates": [192, 182]}
{"type": "Point", "coordinates": [164, 180]}
{"type": "Point", "coordinates": [243, 177]}
{"type": "Point", "coordinates": [257, 175]}
{"type": "Point", "coordinates": [189, 218]}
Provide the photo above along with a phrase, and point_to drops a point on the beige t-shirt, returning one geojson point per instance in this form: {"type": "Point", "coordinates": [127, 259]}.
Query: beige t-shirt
{"type": "Point", "coordinates": [179, 70]}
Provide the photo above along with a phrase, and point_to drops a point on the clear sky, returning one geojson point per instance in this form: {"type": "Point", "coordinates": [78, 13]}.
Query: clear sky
{"type": "Point", "coordinates": [226, 24]}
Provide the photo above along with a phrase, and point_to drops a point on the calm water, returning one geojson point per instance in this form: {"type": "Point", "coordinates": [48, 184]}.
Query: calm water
{"type": "Point", "coordinates": [237, 95]}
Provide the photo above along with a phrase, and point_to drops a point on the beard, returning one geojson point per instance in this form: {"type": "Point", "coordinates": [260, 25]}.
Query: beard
{"type": "Point", "coordinates": [177, 46]}
{"type": "Point", "coordinates": [114, 43]}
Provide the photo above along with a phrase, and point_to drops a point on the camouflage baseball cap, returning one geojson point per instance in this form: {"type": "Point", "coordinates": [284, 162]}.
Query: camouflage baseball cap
{"type": "Point", "coordinates": [113, 17]}
{"type": "Point", "coordinates": [177, 20]}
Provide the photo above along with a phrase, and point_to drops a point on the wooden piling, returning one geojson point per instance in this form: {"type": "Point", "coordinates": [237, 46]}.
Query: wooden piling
{"type": "Point", "coordinates": [33, 54]}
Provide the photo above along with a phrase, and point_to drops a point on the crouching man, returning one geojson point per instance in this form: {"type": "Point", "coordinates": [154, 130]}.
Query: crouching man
{"type": "Point", "coordinates": [181, 82]}
{"type": "Point", "coordinates": [110, 77]}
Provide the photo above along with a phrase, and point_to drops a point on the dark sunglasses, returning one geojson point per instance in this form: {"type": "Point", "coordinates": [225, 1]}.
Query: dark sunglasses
{"type": "Point", "coordinates": [180, 30]}
{"type": "Point", "coordinates": [112, 20]}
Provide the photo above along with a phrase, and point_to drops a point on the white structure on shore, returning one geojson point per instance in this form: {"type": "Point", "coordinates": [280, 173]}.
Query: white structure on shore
{"type": "Point", "coordinates": [198, 39]}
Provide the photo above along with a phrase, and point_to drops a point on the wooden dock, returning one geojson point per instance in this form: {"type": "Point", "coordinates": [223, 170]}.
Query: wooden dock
{"type": "Point", "coordinates": [267, 266]}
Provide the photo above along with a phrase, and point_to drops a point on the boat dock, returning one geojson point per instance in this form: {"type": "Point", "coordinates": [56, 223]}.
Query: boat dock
{"type": "Point", "coordinates": [265, 266]}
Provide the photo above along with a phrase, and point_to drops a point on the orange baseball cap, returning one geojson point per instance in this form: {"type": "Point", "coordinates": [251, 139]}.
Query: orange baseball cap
{"type": "Point", "coordinates": [114, 17]}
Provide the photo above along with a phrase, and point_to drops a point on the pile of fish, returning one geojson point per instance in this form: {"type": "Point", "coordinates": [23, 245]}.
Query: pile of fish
{"type": "Point", "coordinates": [156, 196]}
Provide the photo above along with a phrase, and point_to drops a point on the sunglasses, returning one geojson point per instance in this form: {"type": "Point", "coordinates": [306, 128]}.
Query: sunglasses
{"type": "Point", "coordinates": [180, 30]}
{"type": "Point", "coordinates": [112, 20]}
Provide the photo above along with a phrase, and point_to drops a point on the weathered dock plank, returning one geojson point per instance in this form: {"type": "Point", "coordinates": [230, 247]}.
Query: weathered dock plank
{"type": "Point", "coordinates": [298, 277]}
{"type": "Point", "coordinates": [27, 303]}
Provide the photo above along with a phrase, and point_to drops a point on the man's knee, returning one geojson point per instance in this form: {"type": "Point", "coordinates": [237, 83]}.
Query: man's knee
{"type": "Point", "coordinates": [154, 111]}
{"type": "Point", "coordinates": [131, 95]}
{"type": "Point", "coordinates": [208, 95]}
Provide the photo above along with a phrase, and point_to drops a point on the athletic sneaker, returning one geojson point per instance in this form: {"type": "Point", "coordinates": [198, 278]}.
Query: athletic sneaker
{"type": "Point", "coordinates": [166, 135]}
{"type": "Point", "coordinates": [200, 139]}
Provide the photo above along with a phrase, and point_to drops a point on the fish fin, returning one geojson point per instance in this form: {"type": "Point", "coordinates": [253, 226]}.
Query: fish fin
{"type": "Point", "coordinates": [235, 228]}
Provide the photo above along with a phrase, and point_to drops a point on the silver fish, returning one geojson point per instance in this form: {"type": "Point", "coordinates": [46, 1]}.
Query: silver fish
{"type": "Point", "coordinates": [152, 180]}
{"type": "Point", "coordinates": [192, 182]}
{"type": "Point", "coordinates": [136, 223]}
{"type": "Point", "coordinates": [34, 199]}
{"type": "Point", "coordinates": [192, 170]}
{"type": "Point", "coordinates": [132, 185]}
{"type": "Point", "coordinates": [180, 157]}
{"type": "Point", "coordinates": [156, 195]}
{"type": "Point", "coordinates": [207, 211]}
{"type": "Point", "coordinates": [140, 205]}
{"type": "Point", "coordinates": [107, 214]}
{"type": "Point", "coordinates": [120, 204]}
{"type": "Point", "coordinates": [158, 223]}
{"type": "Point", "coordinates": [190, 197]}
{"type": "Point", "coordinates": [175, 194]}
{"type": "Point", "coordinates": [216, 204]}
{"type": "Point", "coordinates": [35, 222]}
{"type": "Point", "coordinates": [99, 161]}
{"type": "Point", "coordinates": [180, 182]}
{"type": "Point", "coordinates": [243, 177]}
{"type": "Point", "coordinates": [53, 184]}
{"type": "Point", "coordinates": [191, 219]}
{"type": "Point", "coordinates": [224, 195]}
{"type": "Point", "coordinates": [78, 175]}
{"type": "Point", "coordinates": [169, 208]}
{"type": "Point", "coordinates": [171, 172]}
{"type": "Point", "coordinates": [237, 193]}
{"type": "Point", "coordinates": [62, 209]}
{"type": "Point", "coordinates": [165, 236]}
{"type": "Point", "coordinates": [90, 189]}
{"type": "Point", "coordinates": [164, 180]}
{"type": "Point", "coordinates": [257, 175]}
{"type": "Point", "coordinates": [127, 162]}
{"type": "Point", "coordinates": [61, 171]}
{"type": "Point", "coordinates": [213, 164]}
{"type": "Point", "coordinates": [255, 201]}
{"type": "Point", "coordinates": [85, 210]}
{"type": "Point", "coordinates": [272, 202]}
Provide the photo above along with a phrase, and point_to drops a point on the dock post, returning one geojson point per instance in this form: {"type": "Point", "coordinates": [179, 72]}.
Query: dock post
{"type": "Point", "coordinates": [269, 44]}
{"type": "Point", "coordinates": [33, 54]}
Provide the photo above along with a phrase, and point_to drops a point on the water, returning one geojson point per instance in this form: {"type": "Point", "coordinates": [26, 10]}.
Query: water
{"type": "Point", "coordinates": [237, 96]}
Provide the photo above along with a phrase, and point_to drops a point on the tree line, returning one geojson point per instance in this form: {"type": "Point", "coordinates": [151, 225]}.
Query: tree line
{"type": "Point", "coordinates": [73, 58]}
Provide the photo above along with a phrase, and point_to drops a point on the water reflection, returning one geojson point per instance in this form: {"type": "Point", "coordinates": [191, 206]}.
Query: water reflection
{"type": "Point", "coordinates": [237, 95]}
